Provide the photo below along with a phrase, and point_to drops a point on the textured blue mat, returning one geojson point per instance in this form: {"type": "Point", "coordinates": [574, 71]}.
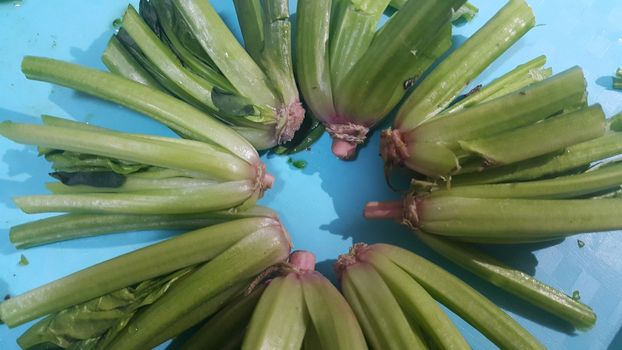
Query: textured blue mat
{"type": "Point", "coordinates": [320, 205]}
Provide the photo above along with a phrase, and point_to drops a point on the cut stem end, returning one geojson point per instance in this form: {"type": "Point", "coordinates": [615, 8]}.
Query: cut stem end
{"type": "Point", "coordinates": [384, 210]}
{"type": "Point", "coordinates": [302, 260]}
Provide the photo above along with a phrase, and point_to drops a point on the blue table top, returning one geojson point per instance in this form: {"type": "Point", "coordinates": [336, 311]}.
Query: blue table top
{"type": "Point", "coordinates": [320, 205]}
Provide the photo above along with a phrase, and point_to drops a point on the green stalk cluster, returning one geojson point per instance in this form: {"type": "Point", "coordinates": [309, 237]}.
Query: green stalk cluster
{"type": "Point", "coordinates": [440, 134]}
{"type": "Point", "coordinates": [134, 181]}
{"type": "Point", "coordinates": [350, 73]}
{"type": "Point", "coordinates": [184, 48]}
{"type": "Point", "coordinates": [142, 298]}
{"type": "Point", "coordinates": [512, 213]}
{"type": "Point", "coordinates": [297, 308]}
{"type": "Point", "coordinates": [394, 294]}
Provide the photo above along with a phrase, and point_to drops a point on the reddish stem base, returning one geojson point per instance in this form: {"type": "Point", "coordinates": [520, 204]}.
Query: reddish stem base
{"type": "Point", "coordinates": [384, 210]}
{"type": "Point", "coordinates": [343, 149]}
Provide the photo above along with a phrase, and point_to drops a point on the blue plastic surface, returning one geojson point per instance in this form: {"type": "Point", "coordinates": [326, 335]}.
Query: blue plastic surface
{"type": "Point", "coordinates": [320, 205]}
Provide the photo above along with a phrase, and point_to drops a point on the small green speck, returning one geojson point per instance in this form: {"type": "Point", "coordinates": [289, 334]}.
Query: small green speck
{"type": "Point", "coordinates": [298, 164]}
{"type": "Point", "coordinates": [23, 261]}
{"type": "Point", "coordinates": [576, 295]}
{"type": "Point", "coordinates": [580, 243]}
{"type": "Point", "coordinates": [116, 24]}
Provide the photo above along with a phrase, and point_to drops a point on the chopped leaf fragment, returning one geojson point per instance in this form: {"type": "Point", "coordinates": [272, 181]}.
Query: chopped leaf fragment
{"type": "Point", "coordinates": [576, 295]}
{"type": "Point", "coordinates": [580, 243]}
{"type": "Point", "coordinates": [23, 261]}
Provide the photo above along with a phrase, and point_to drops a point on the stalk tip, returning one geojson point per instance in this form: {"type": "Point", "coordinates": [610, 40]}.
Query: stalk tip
{"type": "Point", "coordinates": [302, 260]}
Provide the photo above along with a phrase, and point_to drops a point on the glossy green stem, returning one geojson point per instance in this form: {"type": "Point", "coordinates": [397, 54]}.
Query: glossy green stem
{"type": "Point", "coordinates": [119, 61]}
{"type": "Point", "coordinates": [131, 184]}
{"type": "Point", "coordinates": [199, 313]}
{"type": "Point", "coordinates": [570, 186]}
{"type": "Point", "coordinates": [421, 307]}
{"type": "Point", "coordinates": [198, 90]}
{"type": "Point", "coordinates": [535, 140]}
{"type": "Point", "coordinates": [228, 325]}
{"type": "Point", "coordinates": [312, 56]}
{"type": "Point", "coordinates": [382, 319]}
{"type": "Point", "coordinates": [73, 226]}
{"type": "Point", "coordinates": [216, 197]}
{"type": "Point", "coordinates": [250, 17]}
{"type": "Point", "coordinates": [507, 220]}
{"type": "Point", "coordinates": [518, 109]}
{"type": "Point", "coordinates": [376, 82]}
{"type": "Point", "coordinates": [518, 78]}
{"type": "Point", "coordinates": [463, 65]}
{"type": "Point", "coordinates": [276, 56]}
{"type": "Point", "coordinates": [125, 270]}
{"type": "Point", "coordinates": [226, 52]}
{"type": "Point", "coordinates": [158, 151]}
{"type": "Point", "coordinates": [462, 299]}
{"type": "Point", "coordinates": [332, 319]}
{"type": "Point", "coordinates": [166, 109]}
{"type": "Point", "coordinates": [353, 28]}
{"type": "Point", "coordinates": [513, 281]}
{"type": "Point", "coordinates": [240, 262]}
{"type": "Point", "coordinates": [280, 318]}
{"type": "Point", "coordinates": [572, 158]}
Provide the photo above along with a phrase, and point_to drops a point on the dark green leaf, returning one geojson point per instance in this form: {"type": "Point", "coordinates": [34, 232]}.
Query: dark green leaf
{"type": "Point", "coordinates": [108, 179]}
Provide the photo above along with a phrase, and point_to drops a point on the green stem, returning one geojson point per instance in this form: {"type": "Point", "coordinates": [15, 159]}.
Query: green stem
{"type": "Point", "coordinates": [170, 201]}
{"type": "Point", "coordinates": [570, 186]}
{"type": "Point", "coordinates": [250, 17]}
{"type": "Point", "coordinates": [280, 318]}
{"type": "Point", "coordinates": [518, 78]}
{"type": "Point", "coordinates": [376, 82]}
{"type": "Point", "coordinates": [167, 64]}
{"type": "Point", "coordinates": [132, 184]}
{"type": "Point", "coordinates": [228, 324]}
{"type": "Point", "coordinates": [459, 297]}
{"type": "Point", "coordinates": [125, 270]}
{"type": "Point", "coordinates": [354, 26]}
{"type": "Point", "coordinates": [158, 151]}
{"type": "Point", "coordinates": [242, 261]}
{"type": "Point", "coordinates": [200, 313]}
{"type": "Point", "coordinates": [119, 61]}
{"type": "Point", "coordinates": [312, 56]}
{"type": "Point", "coordinates": [73, 226]}
{"type": "Point", "coordinates": [373, 299]}
{"type": "Point", "coordinates": [332, 318]}
{"type": "Point", "coordinates": [199, 64]}
{"type": "Point", "coordinates": [535, 140]}
{"type": "Point", "coordinates": [166, 109]}
{"type": "Point", "coordinates": [574, 157]}
{"type": "Point", "coordinates": [470, 219]}
{"type": "Point", "coordinates": [226, 52]}
{"type": "Point", "coordinates": [512, 111]}
{"type": "Point", "coordinates": [444, 83]}
{"type": "Point", "coordinates": [276, 56]}
{"type": "Point", "coordinates": [513, 281]}
{"type": "Point", "coordinates": [419, 305]}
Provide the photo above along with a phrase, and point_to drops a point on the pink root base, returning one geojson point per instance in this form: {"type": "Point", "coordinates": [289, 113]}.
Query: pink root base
{"type": "Point", "coordinates": [268, 180]}
{"type": "Point", "coordinates": [302, 260]}
{"type": "Point", "coordinates": [343, 149]}
{"type": "Point", "coordinates": [384, 210]}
